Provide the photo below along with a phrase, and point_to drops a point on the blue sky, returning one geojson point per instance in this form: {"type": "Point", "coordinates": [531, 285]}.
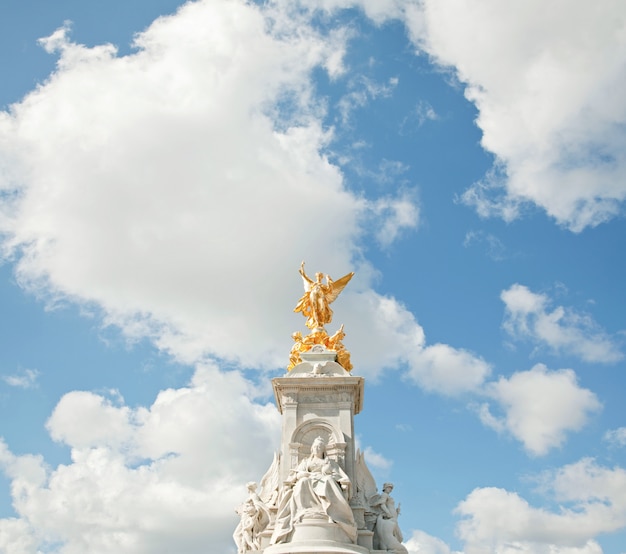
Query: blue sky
{"type": "Point", "coordinates": [165, 168]}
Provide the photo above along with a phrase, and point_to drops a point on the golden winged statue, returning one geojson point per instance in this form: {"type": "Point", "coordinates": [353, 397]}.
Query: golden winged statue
{"type": "Point", "coordinates": [317, 297]}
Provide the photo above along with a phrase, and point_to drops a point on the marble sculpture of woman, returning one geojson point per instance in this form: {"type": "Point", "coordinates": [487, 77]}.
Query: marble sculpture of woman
{"type": "Point", "coordinates": [316, 489]}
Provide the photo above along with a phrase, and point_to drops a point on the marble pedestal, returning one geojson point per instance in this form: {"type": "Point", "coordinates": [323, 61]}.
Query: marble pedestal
{"type": "Point", "coordinates": [316, 547]}
{"type": "Point", "coordinates": [314, 536]}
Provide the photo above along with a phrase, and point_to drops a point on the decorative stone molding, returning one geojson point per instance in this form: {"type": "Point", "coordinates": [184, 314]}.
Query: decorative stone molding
{"type": "Point", "coordinates": [288, 390]}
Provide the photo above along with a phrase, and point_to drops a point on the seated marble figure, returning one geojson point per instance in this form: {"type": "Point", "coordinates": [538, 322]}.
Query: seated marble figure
{"type": "Point", "coordinates": [317, 489]}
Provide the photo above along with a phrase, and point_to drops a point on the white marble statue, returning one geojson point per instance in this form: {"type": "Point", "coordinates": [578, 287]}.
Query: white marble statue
{"type": "Point", "coordinates": [387, 532]}
{"type": "Point", "coordinates": [254, 518]}
{"type": "Point", "coordinates": [317, 489]}
{"type": "Point", "coordinates": [381, 514]}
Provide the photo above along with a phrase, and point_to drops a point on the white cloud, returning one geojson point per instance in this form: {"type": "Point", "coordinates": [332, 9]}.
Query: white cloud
{"type": "Point", "coordinates": [563, 330]}
{"type": "Point", "coordinates": [143, 479]}
{"type": "Point", "coordinates": [617, 437]}
{"type": "Point", "coordinates": [16, 537]}
{"type": "Point", "coordinates": [423, 112]}
{"type": "Point", "coordinates": [495, 248]}
{"type": "Point", "coordinates": [194, 189]}
{"type": "Point", "coordinates": [25, 379]}
{"type": "Point", "coordinates": [86, 420]}
{"type": "Point", "coordinates": [378, 11]}
{"type": "Point", "coordinates": [447, 370]}
{"type": "Point", "coordinates": [423, 543]}
{"type": "Point", "coordinates": [550, 100]}
{"type": "Point", "coordinates": [400, 341]}
{"type": "Point", "coordinates": [539, 407]}
{"type": "Point", "coordinates": [592, 501]}
{"type": "Point", "coordinates": [388, 171]}
{"type": "Point", "coordinates": [376, 461]}
{"type": "Point", "coordinates": [364, 90]}
{"type": "Point", "coordinates": [171, 145]}
{"type": "Point", "coordinates": [396, 215]}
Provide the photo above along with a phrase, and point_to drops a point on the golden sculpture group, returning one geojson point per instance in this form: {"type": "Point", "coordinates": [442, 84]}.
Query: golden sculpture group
{"type": "Point", "coordinates": [315, 306]}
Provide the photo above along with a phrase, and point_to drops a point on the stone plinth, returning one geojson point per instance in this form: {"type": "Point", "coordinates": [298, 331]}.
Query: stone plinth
{"type": "Point", "coordinates": [315, 530]}
{"type": "Point", "coordinates": [316, 547]}
{"type": "Point", "coordinates": [318, 398]}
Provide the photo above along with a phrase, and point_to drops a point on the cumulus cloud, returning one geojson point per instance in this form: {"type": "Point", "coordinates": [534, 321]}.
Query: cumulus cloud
{"type": "Point", "coordinates": [423, 543]}
{"type": "Point", "coordinates": [539, 407]}
{"type": "Point", "coordinates": [448, 370]}
{"type": "Point", "coordinates": [563, 330]}
{"type": "Point", "coordinates": [377, 461]}
{"type": "Point", "coordinates": [16, 537]}
{"type": "Point", "coordinates": [177, 177]}
{"type": "Point", "coordinates": [401, 341]}
{"type": "Point", "coordinates": [592, 500]}
{"type": "Point", "coordinates": [550, 100]}
{"type": "Point", "coordinates": [143, 479]}
{"type": "Point", "coordinates": [83, 419]}
{"type": "Point", "coordinates": [176, 189]}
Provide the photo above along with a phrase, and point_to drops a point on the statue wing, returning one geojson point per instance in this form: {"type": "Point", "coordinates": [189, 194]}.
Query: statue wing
{"type": "Point", "coordinates": [365, 484]}
{"type": "Point", "coordinates": [337, 286]}
{"type": "Point", "coordinates": [270, 483]}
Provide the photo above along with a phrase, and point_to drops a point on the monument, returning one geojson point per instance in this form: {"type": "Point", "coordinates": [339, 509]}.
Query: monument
{"type": "Point", "coordinates": [318, 496]}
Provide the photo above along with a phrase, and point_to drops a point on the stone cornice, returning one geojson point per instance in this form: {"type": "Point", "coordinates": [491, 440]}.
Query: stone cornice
{"type": "Point", "coordinates": [319, 390]}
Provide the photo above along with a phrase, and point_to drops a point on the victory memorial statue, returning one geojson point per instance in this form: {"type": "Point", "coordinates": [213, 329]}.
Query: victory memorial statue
{"type": "Point", "coordinates": [317, 297]}
{"type": "Point", "coordinates": [318, 496]}
{"type": "Point", "coordinates": [315, 306]}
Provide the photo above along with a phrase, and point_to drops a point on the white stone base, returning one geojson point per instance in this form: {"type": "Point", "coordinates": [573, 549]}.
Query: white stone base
{"type": "Point", "coordinates": [316, 547]}
{"type": "Point", "coordinates": [314, 529]}
{"type": "Point", "coordinates": [312, 536]}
